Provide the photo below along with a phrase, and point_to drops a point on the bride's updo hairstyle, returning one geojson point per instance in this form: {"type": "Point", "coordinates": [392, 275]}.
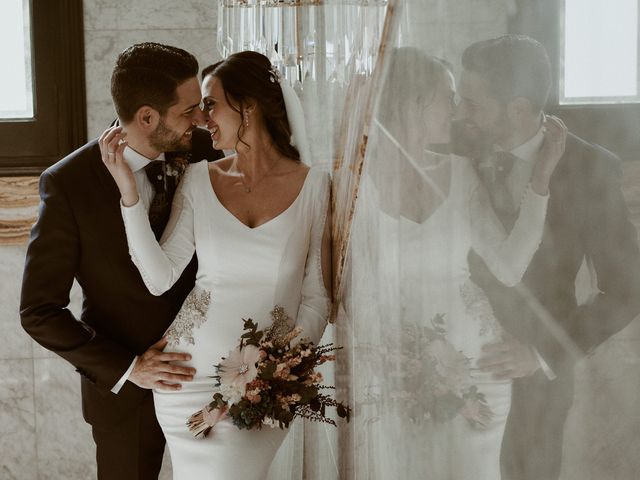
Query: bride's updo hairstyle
{"type": "Point", "coordinates": [249, 76]}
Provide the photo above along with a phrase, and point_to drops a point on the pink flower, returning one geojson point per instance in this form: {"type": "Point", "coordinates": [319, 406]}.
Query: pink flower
{"type": "Point", "coordinates": [327, 358]}
{"type": "Point", "coordinates": [239, 367]}
{"type": "Point", "coordinates": [258, 385]}
{"type": "Point", "coordinates": [254, 398]}
{"type": "Point", "coordinates": [294, 362]}
{"type": "Point", "coordinates": [282, 371]}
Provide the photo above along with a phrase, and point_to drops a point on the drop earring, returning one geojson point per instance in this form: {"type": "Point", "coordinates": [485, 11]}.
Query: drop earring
{"type": "Point", "coordinates": [246, 119]}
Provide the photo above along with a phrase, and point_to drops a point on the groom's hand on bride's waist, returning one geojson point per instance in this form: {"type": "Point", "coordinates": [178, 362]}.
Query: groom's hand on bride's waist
{"type": "Point", "coordinates": [508, 359]}
{"type": "Point", "coordinates": [153, 369]}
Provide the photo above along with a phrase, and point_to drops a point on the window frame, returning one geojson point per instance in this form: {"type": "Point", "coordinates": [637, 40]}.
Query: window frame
{"type": "Point", "coordinates": [591, 101]}
{"type": "Point", "coordinates": [59, 125]}
{"type": "Point", "coordinates": [615, 126]}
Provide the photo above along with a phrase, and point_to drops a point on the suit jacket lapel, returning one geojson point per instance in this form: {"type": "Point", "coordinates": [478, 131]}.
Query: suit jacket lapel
{"type": "Point", "coordinates": [108, 197]}
{"type": "Point", "coordinates": [105, 179]}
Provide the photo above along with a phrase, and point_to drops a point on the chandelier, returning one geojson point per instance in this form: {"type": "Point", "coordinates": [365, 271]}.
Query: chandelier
{"type": "Point", "coordinates": [305, 39]}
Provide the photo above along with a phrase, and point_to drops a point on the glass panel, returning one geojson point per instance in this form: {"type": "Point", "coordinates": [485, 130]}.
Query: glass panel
{"type": "Point", "coordinates": [421, 238]}
{"type": "Point", "coordinates": [600, 56]}
{"type": "Point", "coordinates": [16, 94]}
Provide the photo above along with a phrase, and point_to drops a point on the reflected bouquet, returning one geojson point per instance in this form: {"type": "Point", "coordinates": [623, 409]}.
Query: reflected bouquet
{"type": "Point", "coordinates": [428, 379]}
{"type": "Point", "coordinates": [269, 381]}
{"type": "Point", "coordinates": [448, 383]}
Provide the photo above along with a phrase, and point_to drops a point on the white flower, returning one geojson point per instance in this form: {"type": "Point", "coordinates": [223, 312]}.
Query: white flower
{"type": "Point", "coordinates": [238, 369]}
{"type": "Point", "coordinates": [232, 393]}
{"type": "Point", "coordinates": [270, 422]}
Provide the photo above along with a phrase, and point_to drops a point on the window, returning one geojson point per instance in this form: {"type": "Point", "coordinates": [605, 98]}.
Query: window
{"type": "Point", "coordinates": [600, 55]}
{"type": "Point", "coordinates": [42, 105]}
{"type": "Point", "coordinates": [593, 47]}
{"type": "Point", "coordinates": [16, 98]}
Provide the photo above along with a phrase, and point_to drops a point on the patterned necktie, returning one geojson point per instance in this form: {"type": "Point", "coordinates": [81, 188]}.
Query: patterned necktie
{"type": "Point", "coordinates": [160, 207]}
{"type": "Point", "coordinates": [496, 181]}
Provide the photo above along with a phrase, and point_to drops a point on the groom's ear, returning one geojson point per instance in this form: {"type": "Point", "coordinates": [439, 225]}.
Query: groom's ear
{"type": "Point", "coordinates": [146, 118]}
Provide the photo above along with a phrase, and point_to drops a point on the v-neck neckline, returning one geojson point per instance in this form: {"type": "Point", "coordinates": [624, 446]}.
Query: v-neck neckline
{"type": "Point", "coordinates": [268, 222]}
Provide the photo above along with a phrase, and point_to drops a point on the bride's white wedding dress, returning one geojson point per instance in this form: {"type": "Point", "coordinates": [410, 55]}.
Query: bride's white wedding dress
{"type": "Point", "coordinates": [242, 273]}
{"type": "Point", "coordinates": [426, 288]}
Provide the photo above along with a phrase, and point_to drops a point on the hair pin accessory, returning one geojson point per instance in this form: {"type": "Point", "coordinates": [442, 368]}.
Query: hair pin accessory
{"type": "Point", "coordinates": [274, 75]}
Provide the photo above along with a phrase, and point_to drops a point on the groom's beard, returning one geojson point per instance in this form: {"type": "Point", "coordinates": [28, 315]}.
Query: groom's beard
{"type": "Point", "coordinates": [164, 139]}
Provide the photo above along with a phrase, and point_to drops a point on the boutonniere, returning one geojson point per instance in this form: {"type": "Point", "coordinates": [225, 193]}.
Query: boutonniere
{"type": "Point", "coordinates": [174, 168]}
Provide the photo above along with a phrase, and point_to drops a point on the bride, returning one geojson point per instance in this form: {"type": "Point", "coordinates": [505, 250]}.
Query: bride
{"type": "Point", "coordinates": [257, 221]}
{"type": "Point", "coordinates": [425, 409]}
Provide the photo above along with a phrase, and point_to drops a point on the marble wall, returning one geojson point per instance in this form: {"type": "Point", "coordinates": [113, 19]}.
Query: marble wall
{"type": "Point", "coordinates": [42, 433]}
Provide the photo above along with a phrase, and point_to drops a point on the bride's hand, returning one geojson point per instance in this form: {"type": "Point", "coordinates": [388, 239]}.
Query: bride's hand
{"type": "Point", "coordinates": [112, 145]}
{"type": "Point", "coordinates": [555, 136]}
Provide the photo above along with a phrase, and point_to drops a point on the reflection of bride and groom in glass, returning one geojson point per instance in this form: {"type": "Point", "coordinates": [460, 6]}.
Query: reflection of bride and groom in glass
{"type": "Point", "coordinates": [471, 223]}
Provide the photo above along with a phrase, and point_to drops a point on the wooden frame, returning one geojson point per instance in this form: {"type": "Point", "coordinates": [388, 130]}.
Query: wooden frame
{"type": "Point", "coordinates": [59, 123]}
{"type": "Point", "coordinates": [347, 166]}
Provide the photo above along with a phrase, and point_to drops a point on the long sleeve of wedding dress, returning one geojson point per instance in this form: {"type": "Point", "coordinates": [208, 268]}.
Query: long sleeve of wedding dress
{"type": "Point", "coordinates": [315, 302]}
{"type": "Point", "coordinates": [161, 264]}
{"type": "Point", "coordinates": [507, 256]}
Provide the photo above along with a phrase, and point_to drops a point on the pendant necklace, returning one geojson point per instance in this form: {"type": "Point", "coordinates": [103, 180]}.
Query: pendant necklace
{"type": "Point", "coordinates": [248, 189]}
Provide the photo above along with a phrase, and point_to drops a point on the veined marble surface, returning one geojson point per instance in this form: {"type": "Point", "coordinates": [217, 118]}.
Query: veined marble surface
{"type": "Point", "coordinates": [18, 453]}
{"type": "Point", "coordinates": [149, 14]}
{"type": "Point", "coordinates": [61, 431]}
{"type": "Point", "coordinates": [18, 208]}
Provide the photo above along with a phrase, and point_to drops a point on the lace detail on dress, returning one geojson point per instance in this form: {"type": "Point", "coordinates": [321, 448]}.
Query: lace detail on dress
{"type": "Point", "coordinates": [478, 307]}
{"type": "Point", "coordinates": [281, 325]}
{"type": "Point", "coordinates": [192, 315]}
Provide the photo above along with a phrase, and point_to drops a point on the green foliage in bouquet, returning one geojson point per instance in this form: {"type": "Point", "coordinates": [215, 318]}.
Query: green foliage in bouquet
{"type": "Point", "coordinates": [268, 380]}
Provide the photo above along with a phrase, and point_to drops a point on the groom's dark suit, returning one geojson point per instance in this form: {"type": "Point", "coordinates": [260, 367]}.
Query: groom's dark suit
{"type": "Point", "coordinates": [587, 218]}
{"type": "Point", "coordinates": [80, 234]}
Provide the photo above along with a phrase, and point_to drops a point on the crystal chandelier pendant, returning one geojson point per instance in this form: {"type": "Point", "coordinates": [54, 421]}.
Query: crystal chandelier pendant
{"type": "Point", "coordinates": [307, 40]}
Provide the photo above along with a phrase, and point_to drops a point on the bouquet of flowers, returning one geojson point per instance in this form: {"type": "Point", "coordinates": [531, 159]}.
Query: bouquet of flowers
{"type": "Point", "coordinates": [267, 381]}
{"type": "Point", "coordinates": [428, 379]}
{"type": "Point", "coordinates": [450, 389]}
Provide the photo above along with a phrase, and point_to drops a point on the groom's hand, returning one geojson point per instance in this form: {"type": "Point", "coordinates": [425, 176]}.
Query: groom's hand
{"type": "Point", "coordinates": [508, 359]}
{"type": "Point", "coordinates": [154, 370]}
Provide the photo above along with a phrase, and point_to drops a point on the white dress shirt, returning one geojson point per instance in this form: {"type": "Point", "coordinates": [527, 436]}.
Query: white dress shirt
{"type": "Point", "coordinates": [137, 162]}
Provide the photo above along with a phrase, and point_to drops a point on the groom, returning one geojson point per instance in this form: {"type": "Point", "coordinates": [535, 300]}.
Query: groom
{"type": "Point", "coordinates": [115, 344]}
{"type": "Point", "coordinates": [503, 89]}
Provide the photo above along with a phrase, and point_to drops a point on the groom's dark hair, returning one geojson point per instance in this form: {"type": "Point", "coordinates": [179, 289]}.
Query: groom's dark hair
{"type": "Point", "coordinates": [514, 66]}
{"type": "Point", "coordinates": [148, 74]}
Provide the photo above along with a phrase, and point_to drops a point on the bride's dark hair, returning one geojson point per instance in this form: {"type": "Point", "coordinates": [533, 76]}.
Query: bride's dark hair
{"type": "Point", "coordinates": [248, 75]}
